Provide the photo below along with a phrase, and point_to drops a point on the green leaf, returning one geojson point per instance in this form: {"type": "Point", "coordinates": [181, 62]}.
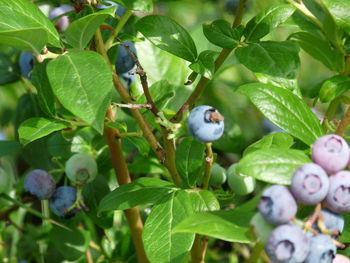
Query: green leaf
{"type": "Point", "coordinates": [43, 87]}
{"type": "Point", "coordinates": [273, 140]}
{"type": "Point", "coordinates": [32, 39]}
{"type": "Point", "coordinates": [290, 84]}
{"type": "Point", "coordinates": [168, 35]}
{"type": "Point", "coordinates": [82, 82]}
{"type": "Point", "coordinates": [80, 32]}
{"type": "Point", "coordinates": [189, 159]}
{"type": "Point", "coordinates": [320, 49]}
{"type": "Point", "coordinates": [23, 19]}
{"type": "Point", "coordinates": [205, 65]}
{"type": "Point", "coordinates": [262, 24]}
{"type": "Point", "coordinates": [93, 193]}
{"type": "Point", "coordinates": [285, 110]}
{"type": "Point", "coordinates": [334, 87]}
{"type": "Point", "coordinates": [274, 165]}
{"type": "Point", "coordinates": [221, 33]}
{"type": "Point", "coordinates": [141, 144]}
{"type": "Point", "coordinates": [203, 200]}
{"type": "Point", "coordinates": [279, 59]}
{"type": "Point", "coordinates": [35, 128]}
{"type": "Point", "coordinates": [160, 245]}
{"type": "Point", "coordinates": [139, 5]}
{"type": "Point", "coordinates": [9, 147]}
{"type": "Point", "coordinates": [228, 225]}
{"type": "Point", "coordinates": [141, 191]}
{"type": "Point", "coordinates": [340, 10]}
{"type": "Point", "coordinates": [72, 244]}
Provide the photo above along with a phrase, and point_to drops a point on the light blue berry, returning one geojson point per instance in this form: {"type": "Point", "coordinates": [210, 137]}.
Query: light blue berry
{"type": "Point", "coordinates": [322, 249]}
{"type": "Point", "coordinates": [63, 198]}
{"type": "Point", "coordinates": [205, 123]}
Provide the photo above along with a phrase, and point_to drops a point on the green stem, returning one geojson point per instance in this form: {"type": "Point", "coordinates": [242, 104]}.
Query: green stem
{"type": "Point", "coordinates": [46, 213]}
{"type": "Point", "coordinates": [332, 108]}
{"type": "Point", "coordinates": [118, 28]}
{"type": "Point", "coordinates": [209, 158]}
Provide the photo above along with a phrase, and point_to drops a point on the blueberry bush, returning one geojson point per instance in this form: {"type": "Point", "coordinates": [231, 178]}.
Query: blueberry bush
{"type": "Point", "coordinates": [174, 131]}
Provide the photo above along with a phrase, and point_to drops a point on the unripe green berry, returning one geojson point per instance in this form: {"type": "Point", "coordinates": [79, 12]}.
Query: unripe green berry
{"type": "Point", "coordinates": [5, 181]}
{"type": "Point", "coordinates": [218, 175]}
{"type": "Point", "coordinates": [239, 184]}
{"type": "Point", "coordinates": [81, 168]}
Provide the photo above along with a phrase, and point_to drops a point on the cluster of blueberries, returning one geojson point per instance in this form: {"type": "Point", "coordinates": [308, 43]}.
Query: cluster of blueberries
{"type": "Point", "coordinates": [314, 240]}
{"type": "Point", "coordinates": [125, 64]}
{"type": "Point", "coordinates": [81, 168]}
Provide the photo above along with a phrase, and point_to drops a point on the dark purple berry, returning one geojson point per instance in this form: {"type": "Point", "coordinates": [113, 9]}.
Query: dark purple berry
{"type": "Point", "coordinates": [310, 184]}
{"type": "Point", "coordinates": [125, 62]}
{"type": "Point", "coordinates": [63, 198]}
{"type": "Point", "coordinates": [322, 249]}
{"type": "Point", "coordinates": [331, 152]}
{"type": "Point", "coordinates": [40, 184]}
{"type": "Point", "coordinates": [338, 197]}
{"type": "Point", "coordinates": [277, 205]}
{"type": "Point", "coordinates": [287, 244]}
{"type": "Point", "coordinates": [205, 123]}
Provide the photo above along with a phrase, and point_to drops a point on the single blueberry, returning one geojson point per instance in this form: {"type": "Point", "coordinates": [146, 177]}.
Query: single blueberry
{"type": "Point", "coordinates": [310, 184]}
{"type": "Point", "coordinates": [63, 22]}
{"type": "Point", "coordinates": [205, 123]}
{"type": "Point", "coordinates": [341, 259]}
{"type": "Point", "coordinates": [277, 205]}
{"type": "Point", "coordinates": [81, 168]}
{"type": "Point", "coordinates": [26, 64]}
{"type": "Point", "coordinates": [125, 62]}
{"type": "Point", "coordinates": [107, 4]}
{"type": "Point", "coordinates": [287, 244]}
{"type": "Point", "coordinates": [331, 152]}
{"type": "Point", "coordinates": [40, 184]}
{"type": "Point", "coordinates": [63, 198]}
{"type": "Point", "coordinates": [128, 78]}
{"type": "Point", "coordinates": [338, 197]}
{"type": "Point", "coordinates": [322, 249]}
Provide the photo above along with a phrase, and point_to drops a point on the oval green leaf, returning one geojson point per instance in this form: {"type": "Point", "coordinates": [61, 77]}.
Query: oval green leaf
{"type": "Point", "coordinates": [274, 166]}
{"type": "Point", "coordinates": [82, 82]}
{"type": "Point", "coordinates": [284, 109]}
{"type": "Point", "coordinates": [168, 35]}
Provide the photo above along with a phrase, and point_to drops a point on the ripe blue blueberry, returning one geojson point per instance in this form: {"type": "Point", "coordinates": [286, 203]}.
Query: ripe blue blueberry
{"type": "Point", "coordinates": [40, 184]}
{"type": "Point", "coordinates": [125, 62]}
{"type": "Point", "coordinates": [322, 249]}
{"type": "Point", "coordinates": [277, 205]}
{"type": "Point", "coordinates": [26, 64]}
{"type": "Point", "coordinates": [332, 221]}
{"type": "Point", "coordinates": [205, 123]}
{"type": "Point", "coordinates": [338, 197]}
{"type": "Point", "coordinates": [63, 22]}
{"type": "Point", "coordinates": [287, 244]}
{"type": "Point", "coordinates": [341, 259]}
{"type": "Point", "coordinates": [218, 175]}
{"type": "Point", "coordinates": [81, 168]}
{"type": "Point", "coordinates": [63, 198]}
{"type": "Point", "coordinates": [331, 152]}
{"type": "Point", "coordinates": [310, 184]}
{"type": "Point", "coordinates": [240, 184]}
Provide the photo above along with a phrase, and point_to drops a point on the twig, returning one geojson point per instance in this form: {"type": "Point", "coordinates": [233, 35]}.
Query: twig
{"type": "Point", "coordinates": [143, 78]}
{"type": "Point", "coordinates": [133, 106]}
{"type": "Point", "coordinates": [208, 164]}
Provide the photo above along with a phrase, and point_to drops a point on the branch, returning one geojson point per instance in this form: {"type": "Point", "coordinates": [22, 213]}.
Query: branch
{"type": "Point", "coordinates": [344, 123]}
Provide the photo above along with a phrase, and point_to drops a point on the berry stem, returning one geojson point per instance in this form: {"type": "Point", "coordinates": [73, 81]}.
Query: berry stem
{"type": "Point", "coordinates": [218, 62]}
{"type": "Point", "coordinates": [209, 158]}
{"type": "Point", "coordinates": [313, 218]}
{"type": "Point", "coordinates": [46, 213]}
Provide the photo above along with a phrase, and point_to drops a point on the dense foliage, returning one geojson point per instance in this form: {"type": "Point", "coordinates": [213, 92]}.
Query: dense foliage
{"type": "Point", "coordinates": [174, 130]}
